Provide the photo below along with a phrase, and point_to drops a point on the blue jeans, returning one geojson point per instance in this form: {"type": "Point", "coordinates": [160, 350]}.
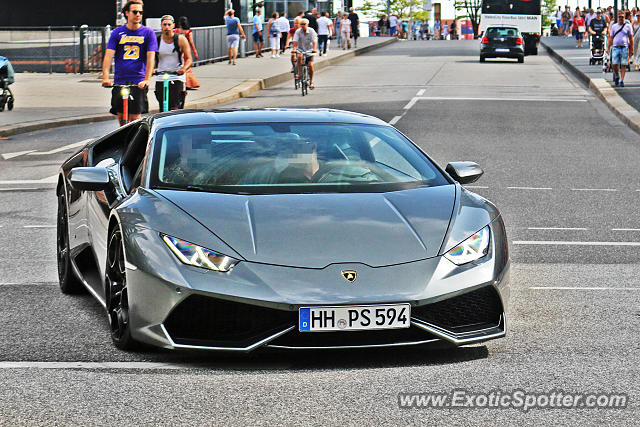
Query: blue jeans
{"type": "Point", "coordinates": [619, 55]}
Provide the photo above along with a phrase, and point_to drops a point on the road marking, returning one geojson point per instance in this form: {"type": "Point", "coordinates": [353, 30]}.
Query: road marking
{"type": "Point", "coordinates": [411, 103]}
{"type": "Point", "coordinates": [8, 156]}
{"type": "Point", "coordinates": [475, 186]}
{"type": "Point", "coordinates": [530, 188]}
{"type": "Point", "coordinates": [421, 92]}
{"type": "Point", "coordinates": [455, 98]}
{"type": "Point", "coordinates": [53, 179]}
{"type": "Point", "coordinates": [60, 149]}
{"type": "Point", "coordinates": [579, 288]}
{"type": "Point", "coordinates": [39, 226]}
{"type": "Point", "coordinates": [558, 228]}
{"type": "Point", "coordinates": [554, 242]}
{"type": "Point", "coordinates": [90, 365]}
{"type": "Point", "coordinates": [20, 189]}
{"type": "Point", "coordinates": [394, 120]}
{"type": "Point", "coordinates": [625, 229]}
{"type": "Point", "coordinates": [594, 189]}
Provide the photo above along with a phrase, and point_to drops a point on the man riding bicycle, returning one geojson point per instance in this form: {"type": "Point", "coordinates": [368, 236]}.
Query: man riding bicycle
{"type": "Point", "coordinates": [305, 39]}
{"type": "Point", "coordinates": [134, 47]}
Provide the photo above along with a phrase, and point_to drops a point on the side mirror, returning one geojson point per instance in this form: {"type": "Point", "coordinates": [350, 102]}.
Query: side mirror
{"type": "Point", "coordinates": [89, 179]}
{"type": "Point", "coordinates": [464, 172]}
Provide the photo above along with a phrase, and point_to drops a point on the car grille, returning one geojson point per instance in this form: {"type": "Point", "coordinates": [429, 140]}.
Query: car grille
{"type": "Point", "coordinates": [299, 339]}
{"type": "Point", "coordinates": [212, 322]}
{"type": "Point", "coordinates": [473, 310]}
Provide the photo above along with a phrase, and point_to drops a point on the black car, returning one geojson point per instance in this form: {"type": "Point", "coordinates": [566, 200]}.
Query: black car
{"type": "Point", "coordinates": [502, 42]}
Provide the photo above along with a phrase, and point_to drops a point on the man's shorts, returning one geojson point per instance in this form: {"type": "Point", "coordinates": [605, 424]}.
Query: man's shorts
{"type": "Point", "coordinates": [257, 38]}
{"type": "Point", "coordinates": [558, 23]}
{"type": "Point", "coordinates": [392, 31]}
{"type": "Point", "coordinates": [233, 40]}
{"type": "Point", "coordinates": [138, 102]}
{"type": "Point", "coordinates": [176, 94]}
{"type": "Point", "coordinates": [566, 26]}
{"type": "Point", "coordinates": [619, 55]}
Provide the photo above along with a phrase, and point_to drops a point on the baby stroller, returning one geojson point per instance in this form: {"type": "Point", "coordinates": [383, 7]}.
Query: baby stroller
{"type": "Point", "coordinates": [6, 78]}
{"type": "Point", "coordinates": [598, 47]}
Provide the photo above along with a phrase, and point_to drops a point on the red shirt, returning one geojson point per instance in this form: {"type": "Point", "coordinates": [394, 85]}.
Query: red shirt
{"type": "Point", "coordinates": [578, 22]}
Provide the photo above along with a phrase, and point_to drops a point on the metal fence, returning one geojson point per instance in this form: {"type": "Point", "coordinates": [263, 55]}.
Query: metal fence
{"type": "Point", "coordinates": [81, 49]}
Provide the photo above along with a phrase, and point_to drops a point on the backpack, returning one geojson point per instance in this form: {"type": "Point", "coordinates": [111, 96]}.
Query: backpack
{"type": "Point", "coordinates": [176, 48]}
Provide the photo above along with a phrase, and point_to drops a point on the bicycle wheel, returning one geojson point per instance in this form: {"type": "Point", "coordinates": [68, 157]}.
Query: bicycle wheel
{"type": "Point", "coordinates": [304, 81]}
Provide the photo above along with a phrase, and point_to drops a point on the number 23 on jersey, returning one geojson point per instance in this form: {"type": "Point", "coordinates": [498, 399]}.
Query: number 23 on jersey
{"type": "Point", "coordinates": [131, 52]}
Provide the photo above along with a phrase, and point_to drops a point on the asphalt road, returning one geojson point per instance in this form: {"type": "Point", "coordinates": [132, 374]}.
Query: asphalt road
{"type": "Point", "coordinates": [561, 168]}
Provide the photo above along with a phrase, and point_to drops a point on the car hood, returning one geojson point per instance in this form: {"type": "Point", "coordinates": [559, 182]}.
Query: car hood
{"type": "Point", "coordinates": [315, 230]}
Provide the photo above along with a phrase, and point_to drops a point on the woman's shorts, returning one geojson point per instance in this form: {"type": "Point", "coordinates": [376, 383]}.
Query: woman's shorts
{"type": "Point", "coordinates": [579, 35]}
{"type": "Point", "coordinates": [138, 102]}
{"type": "Point", "coordinates": [233, 40]}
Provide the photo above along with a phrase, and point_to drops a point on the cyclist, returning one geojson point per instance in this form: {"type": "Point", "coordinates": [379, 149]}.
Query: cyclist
{"type": "Point", "coordinates": [174, 56]}
{"type": "Point", "coordinates": [305, 39]}
{"type": "Point", "coordinates": [292, 31]}
{"type": "Point", "coordinates": [134, 47]}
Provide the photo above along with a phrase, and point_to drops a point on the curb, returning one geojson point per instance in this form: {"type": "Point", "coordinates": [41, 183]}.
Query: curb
{"type": "Point", "coordinates": [241, 90]}
{"type": "Point", "coordinates": [603, 90]}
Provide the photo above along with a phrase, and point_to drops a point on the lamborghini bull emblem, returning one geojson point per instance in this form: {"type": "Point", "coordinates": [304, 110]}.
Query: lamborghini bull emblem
{"type": "Point", "coordinates": [349, 275]}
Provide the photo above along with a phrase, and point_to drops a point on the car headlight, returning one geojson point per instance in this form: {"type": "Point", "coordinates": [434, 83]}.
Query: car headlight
{"type": "Point", "coordinates": [474, 248]}
{"type": "Point", "coordinates": [192, 254]}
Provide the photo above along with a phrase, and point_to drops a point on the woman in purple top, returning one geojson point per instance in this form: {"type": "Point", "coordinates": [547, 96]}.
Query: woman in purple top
{"type": "Point", "coordinates": [134, 47]}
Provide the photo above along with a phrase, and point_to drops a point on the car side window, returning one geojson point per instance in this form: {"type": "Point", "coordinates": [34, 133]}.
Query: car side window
{"type": "Point", "coordinates": [132, 163]}
{"type": "Point", "coordinates": [386, 155]}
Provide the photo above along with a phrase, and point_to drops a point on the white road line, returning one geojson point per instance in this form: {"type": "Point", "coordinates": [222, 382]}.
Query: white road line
{"type": "Point", "coordinates": [90, 365]}
{"type": "Point", "coordinates": [475, 186]}
{"type": "Point", "coordinates": [455, 98]}
{"type": "Point", "coordinates": [421, 92]}
{"type": "Point", "coordinates": [594, 189]}
{"type": "Point", "coordinates": [394, 120]}
{"type": "Point", "coordinates": [49, 180]}
{"type": "Point", "coordinates": [530, 188]}
{"type": "Point", "coordinates": [63, 148]}
{"type": "Point", "coordinates": [39, 226]}
{"type": "Point", "coordinates": [579, 288]}
{"type": "Point", "coordinates": [625, 229]}
{"type": "Point", "coordinates": [556, 242]}
{"type": "Point", "coordinates": [8, 156]}
{"type": "Point", "coordinates": [19, 189]}
{"type": "Point", "coordinates": [558, 228]}
{"type": "Point", "coordinates": [411, 103]}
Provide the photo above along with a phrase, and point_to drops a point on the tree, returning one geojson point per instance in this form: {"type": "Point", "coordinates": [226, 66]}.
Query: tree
{"type": "Point", "coordinates": [403, 8]}
{"type": "Point", "coordinates": [548, 8]}
{"type": "Point", "coordinates": [472, 9]}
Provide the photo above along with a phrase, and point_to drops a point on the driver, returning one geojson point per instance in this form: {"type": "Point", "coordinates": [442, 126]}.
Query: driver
{"type": "Point", "coordinates": [303, 164]}
{"type": "Point", "coordinates": [186, 168]}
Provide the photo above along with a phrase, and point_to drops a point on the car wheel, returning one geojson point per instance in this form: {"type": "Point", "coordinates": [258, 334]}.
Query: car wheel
{"type": "Point", "coordinates": [481, 58]}
{"type": "Point", "coordinates": [69, 283]}
{"type": "Point", "coordinates": [116, 293]}
{"type": "Point", "coordinates": [521, 59]}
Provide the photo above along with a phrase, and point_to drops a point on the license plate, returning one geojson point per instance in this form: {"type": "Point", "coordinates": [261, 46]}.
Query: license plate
{"type": "Point", "coordinates": [502, 50]}
{"type": "Point", "coordinates": [354, 318]}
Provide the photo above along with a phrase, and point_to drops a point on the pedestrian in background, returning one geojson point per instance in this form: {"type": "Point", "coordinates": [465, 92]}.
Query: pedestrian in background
{"type": "Point", "coordinates": [312, 17]}
{"type": "Point", "coordinates": [383, 25]}
{"type": "Point", "coordinates": [283, 24]}
{"type": "Point", "coordinates": [273, 29]}
{"type": "Point", "coordinates": [454, 30]}
{"type": "Point", "coordinates": [234, 32]}
{"type": "Point", "coordinates": [292, 31]}
{"type": "Point", "coordinates": [173, 59]}
{"type": "Point", "coordinates": [258, 39]}
{"type": "Point", "coordinates": [579, 27]}
{"type": "Point", "coordinates": [345, 32]}
{"type": "Point", "coordinates": [355, 26]}
{"type": "Point", "coordinates": [393, 25]}
{"type": "Point", "coordinates": [325, 29]}
{"type": "Point", "coordinates": [636, 40]}
{"type": "Point", "coordinates": [566, 21]}
{"type": "Point", "coordinates": [336, 24]}
{"type": "Point", "coordinates": [185, 29]}
{"type": "Point", "coordinates": [621, 40]}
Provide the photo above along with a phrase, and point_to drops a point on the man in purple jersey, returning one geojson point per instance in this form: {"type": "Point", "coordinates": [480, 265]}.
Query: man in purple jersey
{"type": "Point", "coordinates": [134, 47]}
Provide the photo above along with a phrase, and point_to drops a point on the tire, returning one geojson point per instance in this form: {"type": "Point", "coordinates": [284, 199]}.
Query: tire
{"type": "Point", "coordinates": [69, 283]}
{"type": "Point", "coordinates": [116, 295]}
{"type": "Point", "coordinates": [482, 58]}
{"type": "Point", "coordinates": [10, 105]}
{"type": "Point", "coordinates": [521, 59]}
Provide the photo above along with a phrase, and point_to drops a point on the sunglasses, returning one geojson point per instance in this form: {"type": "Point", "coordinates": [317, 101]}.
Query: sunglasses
{"type": "Point", "coordinates": [136, 12]}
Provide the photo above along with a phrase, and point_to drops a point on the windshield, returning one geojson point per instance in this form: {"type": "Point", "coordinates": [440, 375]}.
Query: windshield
{"type": "Point", "coordinates": [289, 158]}
{"type": "Point", "coordinates": [501, 32]}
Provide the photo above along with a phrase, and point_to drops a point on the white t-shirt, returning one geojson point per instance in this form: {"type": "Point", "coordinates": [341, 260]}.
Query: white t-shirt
{"type": "Point", "coordinates": [323, 25]}
{"type": "Point", "coordinates": [393, 21]}
{"type": "Point", "coordinates": [283, 24]}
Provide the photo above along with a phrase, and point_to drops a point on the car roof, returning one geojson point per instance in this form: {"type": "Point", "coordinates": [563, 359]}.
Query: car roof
{"type": "Point", "coordinates": [503, 26]}
{"type": "Point", "coordinates": [262, 115]}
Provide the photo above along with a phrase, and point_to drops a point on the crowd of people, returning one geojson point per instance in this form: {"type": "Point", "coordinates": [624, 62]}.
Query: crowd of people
{"type": "Point", "coordinates": [136, 52]}
{"type": "Point", "coordinates": [622, 33]}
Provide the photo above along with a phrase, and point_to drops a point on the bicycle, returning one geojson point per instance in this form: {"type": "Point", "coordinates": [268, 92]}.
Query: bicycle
{"type": "Point", "coordinates": [304, 71]}
{"type": "Point", "coordinates": [294, 70]}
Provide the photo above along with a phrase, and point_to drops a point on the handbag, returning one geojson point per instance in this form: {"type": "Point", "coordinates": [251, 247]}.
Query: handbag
{"type": "Point", "coordinates": [581, 28]}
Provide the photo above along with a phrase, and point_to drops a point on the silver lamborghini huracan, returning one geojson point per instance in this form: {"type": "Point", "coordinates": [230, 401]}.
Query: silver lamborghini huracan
{"type": "Point", "coordinates": [297, 229]}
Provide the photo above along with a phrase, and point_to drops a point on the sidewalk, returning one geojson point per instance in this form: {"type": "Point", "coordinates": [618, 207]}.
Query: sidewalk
{"type": "Point", "coordinates": [51, 100]}
{"type": "Point", "coordinates": [624, 102]}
